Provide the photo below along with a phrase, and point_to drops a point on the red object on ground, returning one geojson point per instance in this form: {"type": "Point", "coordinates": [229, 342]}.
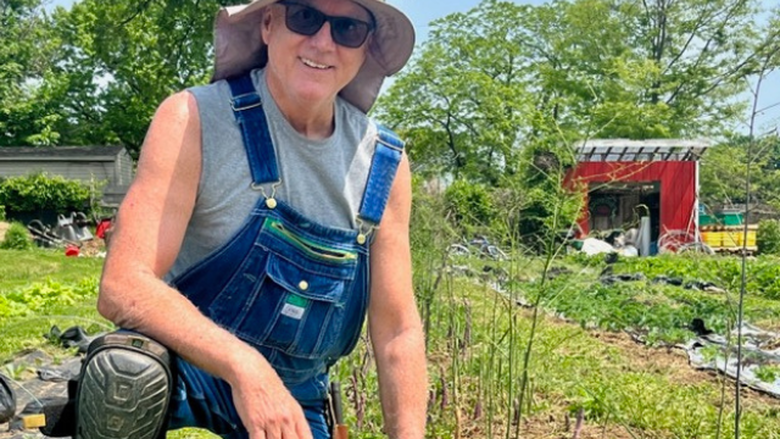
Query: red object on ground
{"type": "Point", "coordinates": [102, 227]}
{"type": "Point", "coordinates": [71, 250]}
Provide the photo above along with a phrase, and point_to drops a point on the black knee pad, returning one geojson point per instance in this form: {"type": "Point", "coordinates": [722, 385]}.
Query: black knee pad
{"type": "Point", "coordinates": [125, 388]}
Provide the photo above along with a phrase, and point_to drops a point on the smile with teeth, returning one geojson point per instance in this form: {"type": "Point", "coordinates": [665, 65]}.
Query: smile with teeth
{"type": "Point", "coordinates": [313, 64]}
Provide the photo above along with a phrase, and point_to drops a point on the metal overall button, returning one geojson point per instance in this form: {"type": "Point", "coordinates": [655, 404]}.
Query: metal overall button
{"type": "Point", "coordinates": [364, 230]}
{"type": "Point", "coordinates": [270, 202]}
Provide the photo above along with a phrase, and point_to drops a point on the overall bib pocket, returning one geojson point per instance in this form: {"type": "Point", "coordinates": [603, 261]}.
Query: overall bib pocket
{"type": "Point", "coordinates": [299, 307]}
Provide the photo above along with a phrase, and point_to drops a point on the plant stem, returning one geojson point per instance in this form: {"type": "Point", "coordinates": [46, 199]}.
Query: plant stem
{"type": "Point", "coordinates": [535, 319]}
{"type": "Point", "coordinates": [743, 283]}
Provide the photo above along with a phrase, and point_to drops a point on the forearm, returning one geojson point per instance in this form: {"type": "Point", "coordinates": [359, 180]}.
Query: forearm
{"type": "Point", "coordinates": [403, 383]}
{"type": "Point", "coordinates": [145, 304]}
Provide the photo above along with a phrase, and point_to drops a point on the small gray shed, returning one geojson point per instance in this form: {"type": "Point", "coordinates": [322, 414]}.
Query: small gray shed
{"type": "Point", "coordinates": [111, 164]}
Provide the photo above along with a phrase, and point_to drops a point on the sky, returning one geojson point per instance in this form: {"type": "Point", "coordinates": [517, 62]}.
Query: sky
{"type": "Point", "coordinates": [422, 12]}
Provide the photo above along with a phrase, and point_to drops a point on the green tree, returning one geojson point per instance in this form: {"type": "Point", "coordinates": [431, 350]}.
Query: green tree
{"type": "Point", "coordinates": [724, 167]}
{"type": "Point", "coordinates": [120, 59]}
{"type": "Point", "coordinates": [104, 69]}
{"type": "Point", "coordinates": [26, 49]}
{"type": "Point", "coordinates": [501, 76]}
{"type": "Point", "coordinates": [462, 102]}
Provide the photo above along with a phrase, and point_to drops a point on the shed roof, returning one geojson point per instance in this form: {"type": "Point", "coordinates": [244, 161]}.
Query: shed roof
{"type": "Point", "coordinates": [61, 153]}
{"type": "Point", "coordinates": [624, 150]}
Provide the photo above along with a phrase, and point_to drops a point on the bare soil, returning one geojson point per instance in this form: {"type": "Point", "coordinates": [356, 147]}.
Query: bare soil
{"type": "Point", "coordinates": [3, 227]}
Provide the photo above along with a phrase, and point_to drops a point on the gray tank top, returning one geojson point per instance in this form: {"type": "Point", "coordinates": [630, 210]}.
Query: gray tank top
{"type": "Point", "coordinates": [322, 179]}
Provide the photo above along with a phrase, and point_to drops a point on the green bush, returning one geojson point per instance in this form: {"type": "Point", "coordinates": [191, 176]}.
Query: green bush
{"type": "Point", "coordinates": [2, 212]}
{"type": "Point", "coordinates": [768, 237]}
{"type": "Point", "coordinates": [17, 238]}
{"type": "Point", "coordinates": [471, 206]}
{"type": "Point", "coordinates": [37, 192]}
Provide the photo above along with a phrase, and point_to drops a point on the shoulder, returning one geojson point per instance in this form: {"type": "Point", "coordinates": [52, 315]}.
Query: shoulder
{"type": "Point", "coordinates": [181, 106]}
{"type": "Point", "coordinates": [173, 139]}
{"type": "Point", "coordinates": [210, 90]}
{"type": "Point", "coordinates": [176, 116]}
{"type": "Point", "coordinates": [211, 98]}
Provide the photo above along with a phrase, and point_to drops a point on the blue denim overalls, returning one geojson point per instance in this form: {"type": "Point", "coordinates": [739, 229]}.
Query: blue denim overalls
{"type": "Point", "coordinates": [295, 290]}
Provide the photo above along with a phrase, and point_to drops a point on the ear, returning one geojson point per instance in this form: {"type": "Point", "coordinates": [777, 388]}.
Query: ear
{"type": "Point", "coordinates": [267, 23]}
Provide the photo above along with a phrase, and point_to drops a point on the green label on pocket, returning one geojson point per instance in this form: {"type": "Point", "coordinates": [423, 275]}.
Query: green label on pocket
{"type": "Point", "coordinates": [296, 300]}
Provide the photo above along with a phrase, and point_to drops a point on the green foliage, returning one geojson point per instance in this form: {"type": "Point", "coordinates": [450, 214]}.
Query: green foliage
{"type": "Point", "coordinates": [549, 206]}
{"type": "Point", "coordinates": [2, 212]}
{"type": "Point", "coordinates": [763, 273]}
{"type": "Point", "coordinates": [493, 80]}
{"type": "Point", "coordinates": [724, 172]}
{"type": "Point", "coordinates": [21, 328]}
{"type": "Point", "coordinates": [767, 374]}
{"type": "Point", "coordinates": [768, 237]}
{"type": "Point", "coordinates": [37, 192]}
{"type": "Point", "coordinates": [17, 238]}
{"type": "Point", "coordinates": [471, 205]}
{"type": "Point", "coordinates": [25, 57]}
{"type": "Point", "coordinates": [94, 74]}
{"type": "Point", "coordinates": [710, 353]}
{"type": "Point", "coordinates": [429, 236]}
{"type": "Point", "coordinates": [660, 313]}
{"type": "Point", "coordinates": [40, 297]}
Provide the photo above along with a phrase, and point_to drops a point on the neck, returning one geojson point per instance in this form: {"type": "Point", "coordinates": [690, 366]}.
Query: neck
{"type": "Point", "coordinates": [314, 120]}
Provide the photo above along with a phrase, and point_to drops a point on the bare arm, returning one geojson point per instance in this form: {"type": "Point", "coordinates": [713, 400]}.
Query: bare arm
{"type": "Point", "coordinates": [149, 232]}
{"type": "Point", "coordinates": [394, 322]}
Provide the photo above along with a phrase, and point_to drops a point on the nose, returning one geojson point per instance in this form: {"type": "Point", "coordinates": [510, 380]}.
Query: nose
{"type": "Point", "coordinates": [322, 39]}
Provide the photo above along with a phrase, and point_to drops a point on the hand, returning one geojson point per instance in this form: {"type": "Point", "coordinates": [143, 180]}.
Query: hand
{"type": "Point", "coordinates": [268, 410]}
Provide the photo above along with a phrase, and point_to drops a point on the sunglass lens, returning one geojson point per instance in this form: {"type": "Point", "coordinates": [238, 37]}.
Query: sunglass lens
{"type": "Point", "coordinates": [304, 20]}
{"type": "Point", "coordinates": [349, 32]}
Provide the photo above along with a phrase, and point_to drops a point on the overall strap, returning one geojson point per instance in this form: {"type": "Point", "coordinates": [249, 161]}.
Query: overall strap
{"type": "Point", "coordinates": [389, 150]}
{"type": "Point", "coordinates": [248, 110]}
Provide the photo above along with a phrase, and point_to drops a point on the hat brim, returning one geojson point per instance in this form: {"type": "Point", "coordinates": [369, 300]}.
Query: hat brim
{"type": "Point", "coordinates": [239, 47]}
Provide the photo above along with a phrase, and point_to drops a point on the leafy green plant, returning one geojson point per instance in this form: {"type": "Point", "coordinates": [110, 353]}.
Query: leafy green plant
{"type": "Point", "coordinates": [768, 237]}
{"type": "Point", "coordinates": [660, 313]}
{"type": "Point", "coordinates": [471, 205]}
{"type": "Point", "coordinates": [39, 297]}
{"type": "Point", "coordinates": [17, 238]}
{"type": "Point", "coordinates": [712, 352]}
{"type": "Point", "coordinates": [36, 192]}
{"type": "Point", "coordinates": [767, 374]}
{"type": "Point", "coordinates": [2, 212]}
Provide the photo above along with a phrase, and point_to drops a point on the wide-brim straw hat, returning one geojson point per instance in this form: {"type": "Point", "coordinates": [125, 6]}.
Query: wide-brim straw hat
{"type": "Point", "coordinates": [239, 47]}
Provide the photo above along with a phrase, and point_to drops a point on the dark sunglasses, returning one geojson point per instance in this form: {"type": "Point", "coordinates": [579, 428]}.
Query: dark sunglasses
{"type": "Point", "coordinates": [345, 31]}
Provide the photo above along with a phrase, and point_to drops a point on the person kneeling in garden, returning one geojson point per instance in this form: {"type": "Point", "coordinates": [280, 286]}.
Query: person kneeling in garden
{"type": "Point", "coordinates": [269, 215]}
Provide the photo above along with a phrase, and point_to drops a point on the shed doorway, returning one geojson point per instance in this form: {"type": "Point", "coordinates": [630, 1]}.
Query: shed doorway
{"type": "Point", "coordinates": [619, 205]}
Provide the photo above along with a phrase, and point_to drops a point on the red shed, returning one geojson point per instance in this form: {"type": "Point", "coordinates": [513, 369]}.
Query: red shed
{"type": "Point", "coordinates": [627, 179]}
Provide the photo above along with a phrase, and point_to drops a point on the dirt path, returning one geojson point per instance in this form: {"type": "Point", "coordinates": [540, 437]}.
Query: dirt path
{"type": "Point", "coordinates": [3, 227]}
